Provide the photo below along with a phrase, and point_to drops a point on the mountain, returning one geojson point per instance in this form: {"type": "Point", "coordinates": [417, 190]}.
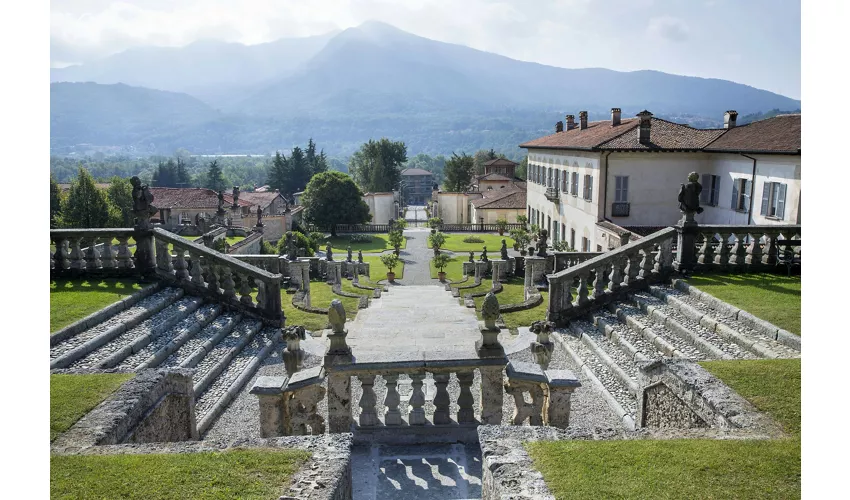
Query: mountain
{"type": "Point", "coordinates": [376, 80]}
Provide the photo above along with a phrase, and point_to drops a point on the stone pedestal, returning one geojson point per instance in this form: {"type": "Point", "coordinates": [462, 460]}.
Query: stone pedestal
{"type": "Point", "coordinates": [314, 266]}
{"type": "Point", "coordinates": [500, 270]}
{"type": "Point", "coordinates": [299, 273]}
{"type": "Point", "coordinates": [534, 269]}
{"type": "Point", "coordinates": [339, 402]}
{"type": "Point", "coordinates": [468, 268]}
{"type": "Point", "coordinates": [334, 272]}
{"type": "Point", "coordinates": [492, 394]}
{"type": "Point", "coordinates": [688, 230]}
{"type": "Point", "coordinates": [481, 270]}
{"type": "Point", "coordinates": [269, 392]}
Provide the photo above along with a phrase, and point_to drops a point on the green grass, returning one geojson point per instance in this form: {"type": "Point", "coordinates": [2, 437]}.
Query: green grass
{"type": "Point", "coordinates": [72, 300]}
{"type": "Point", "coordinates": [294, 316]}
{"type": "Point", "coordinates": [72, 396]}
{"type": "Point", "coordinates": [321, 295]}
{"type": "Point", "coordinates": [348, 286]}
{"type": "Point", "coordinates": [240, 473]}
{"type": "Point", "coordinates": [379, 243]}
{"type": "Point", "coordinates": [771, 385]}
{"type": "Point", "coordinates": [378, 271]}
{"type": "Point", "coordinates": [697, 468]}
{"type": "Point", "coordinates": [773, 298]}
{"type": "Point", "coordinates": [454, 271]}
{"type": "Point", "coordinates": [232, 240]}
{"type": "Point", "coordinates": [493, 242]}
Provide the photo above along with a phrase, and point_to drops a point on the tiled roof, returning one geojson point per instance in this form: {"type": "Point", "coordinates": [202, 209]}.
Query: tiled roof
{"type": "Point", "coordinates": [415, 171]}
{"type": "Point", "coordinates": [513, 199]}
{"type": "Point", "coordinates": [780, 134]}
{"type": "Point", "coordinates": [595, 134]}
{"type": "Point", "coordinates": [176, 198]}
{"type": "Point", "coordinates": [263, 199]}
{"type": "Point", "coordinates": [500, 161]}
{"type": "Point", "coordinates": [494, 177]}
{"type": "Point", "coordinates": [664, 135]}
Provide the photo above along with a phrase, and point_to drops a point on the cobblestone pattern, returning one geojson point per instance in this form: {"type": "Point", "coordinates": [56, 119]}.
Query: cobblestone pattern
{"type": "Point", "coordinates": [223, 348]}
{"type": "Point", "coordinates": [686, 348]}
{"type": "Point", "coordinates": [637, 341]}
{"type": "Point", "coordinates": [226, 320]}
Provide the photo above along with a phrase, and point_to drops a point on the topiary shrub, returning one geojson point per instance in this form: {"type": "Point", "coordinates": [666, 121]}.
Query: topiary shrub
{"type": "Point", "coordinates": [473, 239]}
{"type": "Point", "coordinates": [360, 238]}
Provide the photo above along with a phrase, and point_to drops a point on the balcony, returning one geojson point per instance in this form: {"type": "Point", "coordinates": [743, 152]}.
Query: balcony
{"type": "Point", "coordinates": [620, 209]}
{"type": "Point", "coordinates": [552, 194]}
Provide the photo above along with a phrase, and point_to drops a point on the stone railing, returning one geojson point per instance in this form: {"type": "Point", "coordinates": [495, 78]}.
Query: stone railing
{"type": "Point", "coordinates": [735, 248]}
{"type": "Point", "coordinates": [611, 274]}
{"type": "Point", "coordinates": [91, 251]}
{"type": "Point", "coordinates": [203, 271]}
{"type": "Point", "coordinates": [564, 260]}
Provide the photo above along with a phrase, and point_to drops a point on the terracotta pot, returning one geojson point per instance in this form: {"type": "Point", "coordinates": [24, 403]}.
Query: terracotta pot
{"type": "Point", "coordinates": [391, 277]}
{"type": "Point", "coordinates": [522, 252]}
{"type": "Point", "coordinates": [441, 276]}
{"type": "Point", "coordinates": [501, 232]}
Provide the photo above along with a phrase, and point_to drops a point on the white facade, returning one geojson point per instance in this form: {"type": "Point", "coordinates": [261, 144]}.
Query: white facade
{"type": "Point", "coordinates": [381, 207]}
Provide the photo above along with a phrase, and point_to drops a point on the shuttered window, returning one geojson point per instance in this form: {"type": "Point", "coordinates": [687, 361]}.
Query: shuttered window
{"type": "Point", "coordinates": [575, 184]}
{"type": "Point", "coordinates": [621, 191]}
{"type": "Point", "coordinates": [773, 200]}
{"type": "Point", "coordinates": [710, 193]}
{"type": "Point", "coordinates": [588, 187]}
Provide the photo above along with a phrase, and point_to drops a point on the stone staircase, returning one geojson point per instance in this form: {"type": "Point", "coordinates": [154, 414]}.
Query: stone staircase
{"type": "Point", "coordinates": [172, 329]}
{"type": "Point", "coordinates": [610, 343]}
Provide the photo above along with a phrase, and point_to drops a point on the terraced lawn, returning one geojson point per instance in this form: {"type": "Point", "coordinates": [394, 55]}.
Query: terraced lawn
{"type": "Point", "coordinates": [493, 242]}
{"type": "Point", "coordinates": [697, 468]}
{"type": "Point", "coordinates": [454, 271]}
{"type": "Point", "coordinates": [72, 300]}
{"type": "Point", "coordinates": [72, 396]}
{"type": "Point", "coordinates": [379, 243]}
{"type": "Point", "coordinates": [239, 473]}
{"type": "Point", "coordinates": [771, 297]}
{"type": "Point", "coordinates": [378, 271]}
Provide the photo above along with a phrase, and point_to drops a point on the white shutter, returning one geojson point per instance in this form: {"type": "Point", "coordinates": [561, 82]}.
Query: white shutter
{"type": "Point", "coordinates": [745, 183]}
{"type": "Point", "coordinates": [706, 188]}
{"type": "Point", "coordinates": [765, 198]}
{"type": "Point", "coordinates": [780, 202]}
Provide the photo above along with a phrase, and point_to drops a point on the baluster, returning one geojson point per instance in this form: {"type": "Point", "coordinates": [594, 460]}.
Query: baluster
{"type": "Point", "coordinates": [599, 282]}
{"type": "Point", "coordinates": [60, 259]}
{"type": "Point", "coordinates": [77, 261]}
{"type": "Point", "coordinates": [212, 279]}
{"type": "Point", "coordinates": [740, 249]}
{"type": "Point", "coordinates": [107, 255]}
{"type": "Point", "coordinates": [441, 399]}
{"type": "Point", "coordinates": [245, 290]}
{"type": "Point", "coordinates": [228, 290]}
{"type": "Point", "coordinates": [582, 288]}
{"type": "Point", "coordinates": [163, 257]}
{"type": "Point", "coordinates": [195, 272]}
{"type": "Point", "coordinates": [647, 264]}
{"type": "Point", "coordinates": [181, 268]}
{"type": "Point", "coordinates": [417, 400]}
{"type": "Point", "coordinates": [368, 415]}
{"type": "Point", "coordinates": [722, 258]}
{"type": "Point", "coordinates": [261, 293]}
{"type": "Point", "coordinates": [706, 252]}
{"type": "Point", "coordinates": [769, 256]}
{"type": "Point", "coordinates": [393, 415]}
{"type": "Point", "coordinates": [616, 275]}
{"type": "Point", "coordinates": [754, 251]}
{"type": "Point", "coordinates": [537, 402]}
{"type": "Point", "coordinates": [521, 411]}
{"type": "Point", "coordinates": [630, 273]}
{"type": "Point", "coordinates": [92, 255]}
{"type": "Point", "coordinates": [465, 414]}
{"type": "Point", "coordinates": [124, 257]}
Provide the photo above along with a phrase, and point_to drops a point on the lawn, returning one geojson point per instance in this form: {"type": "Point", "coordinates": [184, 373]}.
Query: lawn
{"type": "Point", "coordinates": [294, 316]}
{"type": "Point", "coordinates": [239, 473]}
{"type": "Point", "coordinates": [72, 300]}
{"type": "Point", "coordinates": [378, 271]}
{"type": "Point", "coordinates": [454, 271]}
{"type": "Point", "coordinates": [513, 292]}
{"type": "Point", "coordinates": [348, 286]}
{"type": "Point", "coordinates": [379, 243]}
{"type": "Point", "coordinates": [493, 242]}
{"type": "Point", "coordinates": [771, 297]}
{"type": "Point", "coordinates": [72, 396]}
{"type": "Point", "coordinates": [696, 468]}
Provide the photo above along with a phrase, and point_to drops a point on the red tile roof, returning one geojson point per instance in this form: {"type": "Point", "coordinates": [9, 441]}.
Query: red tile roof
{"type": "Point", "coordinates": [500, 161]}
{"type": "Point", "coordinates": [780, 134]}
{"type": "Point", "coordinates": [590, 138]}
{"type": "Point", "coordinates": [263, 199]}
{"type": "Point", "coordinates": [512, 199]}
{"type": "Point", "coordinates": [664, 135]}
{"type": "Point", "coordinates": [176, 198]}
{"type": "Point", "coordinates": [494, 177]}
{"type": "Point", "coordinates": [415, 171]}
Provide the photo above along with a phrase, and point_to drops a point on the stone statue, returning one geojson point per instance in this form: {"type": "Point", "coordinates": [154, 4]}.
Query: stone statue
{"type": "Point", "coordinates": [490, 310]}
{"type": "Point", "coordinates": [235, 197]}
{"type": "Point", "coordinates": [328, 253]}
{"type": "Point", "coordinates": [142, 202]}
{"type": "Point", "coordinates": [471, 256]}
{"type": "Point", "coordinates": [336, 316]}
{"type": "Point", "coordinates": [484, 255]}
{"type": "Point", "coordinates": [689, 198]}
{"type": "Point", "coordinates": [291, 249]}
{"type": "Point", "coordinates": [221, 202]}
{"type": "Point", "coordinates": [293, 335]}
{"type": "Point", "coordinates": [349, 253]}
{"type": "Point", "coordinates": [541, 243]}
{"type": "Point", "coordinates": [504, 250]}
{"type": "Point", "coordinates": [360, 256]}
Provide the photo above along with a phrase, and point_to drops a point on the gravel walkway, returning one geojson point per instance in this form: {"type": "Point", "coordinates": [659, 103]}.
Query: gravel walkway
{"type": "Point", "coordinates": [417, 257]}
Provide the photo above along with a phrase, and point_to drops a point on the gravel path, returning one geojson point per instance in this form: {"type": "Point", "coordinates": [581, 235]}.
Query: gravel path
{"type": "Point", "coordinates": [642, 345]}
{"type": "Point", "coordinates": [417, 257]}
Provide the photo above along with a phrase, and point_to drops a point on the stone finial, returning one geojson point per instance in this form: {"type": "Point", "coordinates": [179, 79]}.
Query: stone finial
{"type": "Point", "coordinates": [490, 310]}
{"type": "Point", "coordinates": [542, 329]}
{"type": "Point", "coordinates": [542, 348]}
{"type": "Point", "coordinates": [336, 316]}
{"type": "Point", "coordinates": [293, 335]}
{"type": "Point", "coordinates": [484, 255]}
{"type": "Point", "coordinates": [360, 256]}
{"type": "Point", "coordinates": [504, 250]}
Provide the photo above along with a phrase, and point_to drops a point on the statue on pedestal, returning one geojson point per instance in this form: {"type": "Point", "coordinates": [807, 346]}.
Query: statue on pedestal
{"type": "Point", "coordinates": [504, 250]}
{"type": "Point", "coordinates": [349, 254]}
{"type": "Point", "coordinates": [142, 203]}
{"type": "Point", "coordinates": [235, 197]}
{"type": "Point", "coordinates": [471, 256]}
{"type": "Point", "coordinates": [541, 243]}
{"type": "Point", "coordinates": [328, 253]}
{"type": "Point", "coordinates": [689, 198]}
{"type": "Point", "coordinates": [259, 216]}
{"type": "Point", "coordinates": [360, 256]}
{"type": "Point", "coordinates": [220, 202]}
{"type": "Point", "coordinates": [484, 255]}
{"type": "Point", "coordinates": [291, 249]}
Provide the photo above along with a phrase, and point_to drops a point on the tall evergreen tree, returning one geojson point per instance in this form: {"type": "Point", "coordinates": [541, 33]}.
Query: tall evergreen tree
{"type": "Point", "coordinates": [214, 179]}
{"type": "Point", "coordinates": [318, 162]}
{"type": "Point", "coordinates": [376, 166]}
{"type": "Point", "coordinates": [298, 172]}
{"type": "Point", "coordinates": [120, 194]}
{"type": "Point", "coordinates": [458, 171]}
{"type": "Point", "coordinates": [86, 205]}
{"type": "Point", "coordinates": [278, 172]}
{"type": "Point", "coordinates": [182, 174]}
{"type": "Point", "coordinates": [482, 157]}
{"type": "Point", "coordinates": [55, 201]}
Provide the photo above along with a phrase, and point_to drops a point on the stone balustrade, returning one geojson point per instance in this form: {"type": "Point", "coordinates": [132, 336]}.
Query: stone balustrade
{"type": "Point", "coordinates": [91, 251]}
{"type": "Point", "coordinates": [738, 248]}
{"type": "Point", "coordinates": [609, 275]}
{"type": "Point", "coordinates": [563, 260]}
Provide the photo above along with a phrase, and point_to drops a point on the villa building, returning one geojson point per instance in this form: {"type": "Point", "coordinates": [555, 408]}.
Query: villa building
{"type": "Point", "coordinates": [495, 194]}
{"type": "Point", "coordinates": [416, 185]}
{"type": "Point", "coordinates": [590, 179]}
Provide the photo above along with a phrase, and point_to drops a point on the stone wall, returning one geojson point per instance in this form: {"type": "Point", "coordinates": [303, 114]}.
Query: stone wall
{"type": "Point", "coordinates": [250, 245]}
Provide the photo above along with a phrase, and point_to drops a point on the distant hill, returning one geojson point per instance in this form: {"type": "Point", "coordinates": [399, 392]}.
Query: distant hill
{"type": "Point", "coordinates": [376, 80]}
{"type": "Point", "coordinates": [754, 117]}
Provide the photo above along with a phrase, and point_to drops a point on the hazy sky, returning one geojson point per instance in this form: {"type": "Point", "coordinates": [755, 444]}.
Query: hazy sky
{"type": "Point", "coordinates": [756, 42]}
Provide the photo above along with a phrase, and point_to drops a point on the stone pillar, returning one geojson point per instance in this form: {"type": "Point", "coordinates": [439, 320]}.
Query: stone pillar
{"type": "Point", "coordinates": [334, 272]}
{"type": "Point", "coordinates": [492, 394]}
{"type": "Point", "coordinates": [468, 268]}
{"type": "Point", "coordinates": [269, 392]}
{"type": "Point", "coordinates": [686, 251]}
{"type": "Point", "coordinates": [299, 273]}
{"type": "Point", "coordinates": [559, 406]}
{"type": "Point", "coordinates": [500, 272]}
{"type": "Point", "coordinates": [534, 269]}
{"type": "Point", "coordinates": [480, 270]}
{"type": "Point", "coordinates": [145, 260]}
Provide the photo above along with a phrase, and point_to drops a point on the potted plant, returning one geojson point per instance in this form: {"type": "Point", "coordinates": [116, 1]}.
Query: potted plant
{"type": "Point", "coordinates": [522, 219]}
{"type": "Point", "coordinates": [441, 260]}
{"type": "Point", "coordinates": [396, 241]}
{"type": "Point", "coordinates": [521, 239]}
{"type": "Point", "coordinates": [390, 260]}
{"type": "Point", "coordinates": [535, 230]}
{"type": "Point", "coordinates": [501, 225]}
{"type": "Point", "coordinates": [437, 240]}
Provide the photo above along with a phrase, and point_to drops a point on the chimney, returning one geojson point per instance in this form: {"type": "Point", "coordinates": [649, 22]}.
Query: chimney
{"type": "Point", "coordinates": [559, 127]}
{"type": "Point", "coordinates": [571, 122]}
{"type": "Point", "coordinates": [645, 124]}
{"type": "Point", "coordinates": [582, 118]}
{"type": "Point", "coordinates": [729, 119]}
{"type": "Point", "coordinates": [615, 117]}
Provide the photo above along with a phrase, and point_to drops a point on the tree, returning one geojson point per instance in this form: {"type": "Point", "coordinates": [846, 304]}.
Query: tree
{"type": "Point", "coordinates": [441, 260]}
{"type": "Point", "coordinates": [396, 240]}
{"type": "Point", "coordinates": [482, 157]}
{"type": "Point", "coordinates": [214, 179]}
{"type": "Point", "coordinates": [277, 172]}
{"type": "Point", "coordinates": [522, 170]}
{"type": "Point", "coordinates": [376, 167]}
{"type": "Point", "coordinates": [317, 163]}
{"type": "Point", "coordinates": [182, 173]}
{"type": "Point", "coordinates": [437, 240]}
{"type": "Point", "coordinates": [332, 198]}
{"type": "Point", "coordinates": [297, 172]}
{"type": "Point", "coordinates": [55, 201]}
{"type": "Point", "coordinates": [120, 194]}
{"type": "Point", "coordinates": [458, 173]}
{"type": "Point", "coordinates": [86, 205]}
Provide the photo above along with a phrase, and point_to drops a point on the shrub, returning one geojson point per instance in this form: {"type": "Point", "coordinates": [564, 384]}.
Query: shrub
{"type": "Point", "coordinates": [502, 224]}
{"type": "Point", "coordinates": [267, 249]}
{"type": "Point", "coordinates": [435, 222]}
{"type": "Point", "coordinates": [301, 241]}
{"type": "Point", "coordinates": [473, 239]}
{"type": "Point", "coordinates": [390, 260]}
{"type": "Point", "coordinates": [360, 238]}
{"type": "Point", "coordinates": [521, 237]}
{"type": "Point", "coordinates": [441, 261]}
{"type": "Point", "coordinates": [562, 246]}
{"type": "Point", "coordinates": [437, 240]}
{"type": "Point", "coordinates": [522, 219]}
{"type": "Point", "coordinates": [317, 237]}
{"type": "Point", "coordinates": [396, 239]}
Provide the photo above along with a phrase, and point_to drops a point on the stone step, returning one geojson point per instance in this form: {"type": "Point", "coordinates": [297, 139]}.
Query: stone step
{"type": "Point", "coordinates": [217, 359]}
{"type": "Point", "coordinates": [229, 383]}
{"type": "Point", "coordinates": [80, 345]}
{"type": "Point", "coordinates": [190, 350]}
{"type": "Point", "coordinates": [176, 336]}
{"type": "Point", "coordinates": [724, 324]}
{"type": "Point", "coordinates": [618, 361]}
{"type": "Point", "coordinates": [713, 345]}
{"type": "Point", "coordinates": [134, 340]}
{"type": "Point", "coordinates": [642, 328]}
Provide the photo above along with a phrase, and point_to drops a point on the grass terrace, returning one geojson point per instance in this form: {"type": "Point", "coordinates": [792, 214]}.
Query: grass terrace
{"type": "Point", "coordinates": [74, 299]}
{"type": "Point", "coordinates": [255, 473]}
{"type": "Point", "coordinates": [493, 242]}
{"type": "Point", "coordinates": [454, 271]}
{"type": "Point", "coordinates": [771, 297]}
{"type": "Point", "coordinates": [348, 286]}
{"type": "Point", "coordinates": [697, 468]}
{"type": "Point", "coordinates": [72, 396]}
{"type": "Point", "coordinates": [513, 292]}
{"type": "Point", "coordinates": [378, 271]}
{"type": "Point", "coordinates": [379, 243]}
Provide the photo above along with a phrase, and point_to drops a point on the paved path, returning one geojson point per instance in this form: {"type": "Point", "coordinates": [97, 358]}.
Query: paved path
{"type": "Point", "coordinates": [417, 257]}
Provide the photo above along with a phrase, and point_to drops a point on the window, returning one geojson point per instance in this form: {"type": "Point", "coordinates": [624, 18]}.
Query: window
{"type": "Point", "coordinates": [710, 193]}
{"type": "Point", "coordinates": [598, 248]}
{"type": "Point", "coordinates": [557, 178]}
{"type": "Point", "coordinates": [773, 200]}
{"type": "Point", "coordinates": [575, 184]}
{"type": "Point", "coordinates": [588, 187]}
{"type": "Point", "coordinates": [585, 244]}
{"type": "Point", "coordinates": [621, 191]}
{"type": "Point", "coordinates": [572, 238]}
{"type": "Point", "coordinates": [564, 182]}
{"type": "Point", "coordinates": [741, 195]}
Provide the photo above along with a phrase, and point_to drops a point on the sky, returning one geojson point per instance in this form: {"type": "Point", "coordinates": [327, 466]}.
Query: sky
{"type": "Point", "coordinates": [755, 42]}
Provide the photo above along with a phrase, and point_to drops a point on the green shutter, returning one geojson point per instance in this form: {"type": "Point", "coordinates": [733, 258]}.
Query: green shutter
{"type": "Point", "coordinates": [780, 202]}
{"type": "Point", "coordinates": [765, 198]}
{"type": "Point", "coordinates": [706, 189]}
{"type": "Point", "coordinates": [735, 195]}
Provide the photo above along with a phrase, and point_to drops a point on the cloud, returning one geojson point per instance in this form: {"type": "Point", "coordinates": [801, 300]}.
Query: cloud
{"type": "Point", "coordinates": [668, 28]}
